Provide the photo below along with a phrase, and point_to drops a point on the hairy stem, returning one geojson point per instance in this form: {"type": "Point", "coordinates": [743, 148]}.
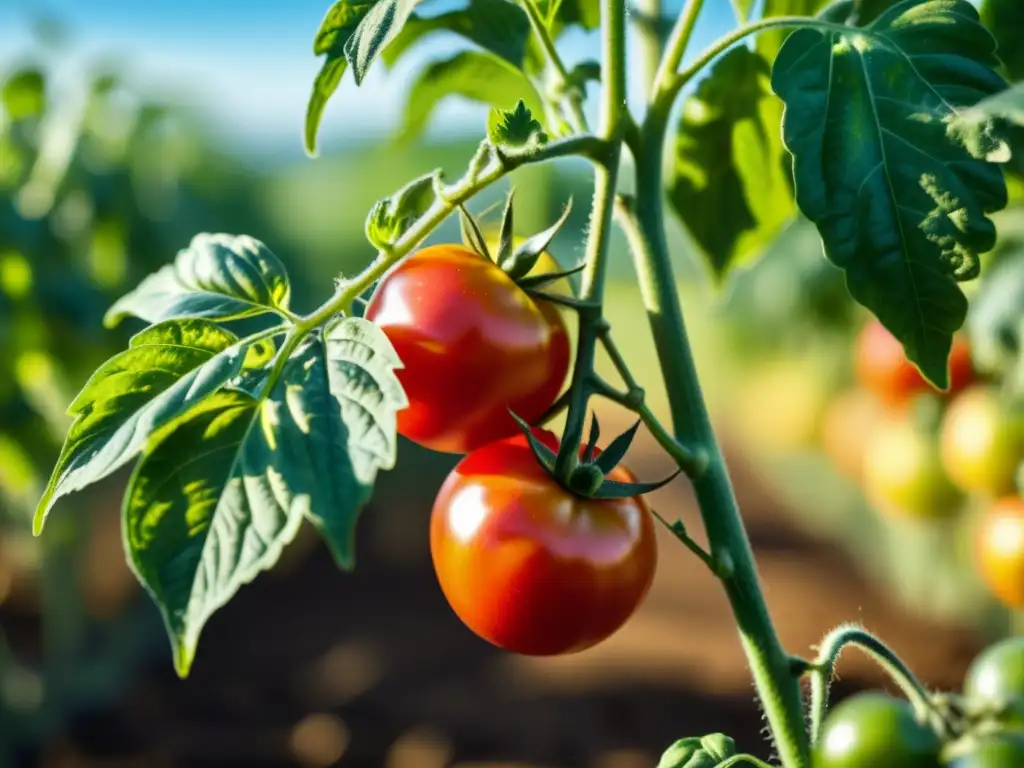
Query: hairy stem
{"type": "Point", "coordinates": [613, 106]}
{"type": "Point", "coordinates": [834, 643]}
{"type": "Point", "coordinates": [777, 687]}
{"type": "Point", "coordinates": [678, 40]}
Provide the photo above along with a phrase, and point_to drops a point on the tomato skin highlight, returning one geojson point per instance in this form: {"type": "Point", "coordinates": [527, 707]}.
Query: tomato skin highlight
{"type": "Point", "coordinates": [872, 730]}
{"type": "Point", "coordinates": [530, 567]}
{"type": "Point", "coordinates": [473, 344]}
{"type": "Point", "coordinates": [982, 442]}
{"type": "Point", "coordinates": [999, 551]}
{"type": "Point", "coordinates": [882, 366]}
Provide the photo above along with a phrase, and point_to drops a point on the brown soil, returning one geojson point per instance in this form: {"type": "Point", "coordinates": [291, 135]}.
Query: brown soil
{"type": "Point", "coordinates": [314, 667]}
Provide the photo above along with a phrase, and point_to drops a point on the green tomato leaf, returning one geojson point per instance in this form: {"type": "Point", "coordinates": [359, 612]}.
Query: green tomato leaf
{"type": "Point", "coordinates": [221, 277]}
{"type": "Point", "coordinates": [769, 41]}
{"type": "Point", "coordinates": [166, 370]}
{"type": "Point", "coordinates": [1005, 20]}
{"type": "Point", "coordinates": [473, 75]}
{"type": "Point", "coordinates": [866, 11]}
{"type": "Point", "coordinates": [899, 206]}
{"type": "Point", "coordinates": [498, 26]}
{"type": "Point", "coordinates": [348, 380]}
{"type": "Point", "coordinates": [731, 187]}
{"type": "Point", "coordinates": [352, 33]}
{"type": "Point", "coordinates": [561, 14]}
{"type": "Point", "coordinates": [515, 129]}
{"type": "Point", "coordinates": [220, 491]}
{"type": "Point", "coordinates": [391, 217]}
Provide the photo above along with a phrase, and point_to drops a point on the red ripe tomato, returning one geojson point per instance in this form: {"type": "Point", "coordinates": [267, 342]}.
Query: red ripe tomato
{"type": "Point", "coordinates": [883, 367]}
{"type": "Point", "coordinates": [530, 567]}
{"type": "Point", "coordinates": [473, 345]}
{"type": "Point", "coordinates": [999, 550]}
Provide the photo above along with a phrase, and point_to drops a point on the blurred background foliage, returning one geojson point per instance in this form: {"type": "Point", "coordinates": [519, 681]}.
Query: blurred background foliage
{"type": "Point", "coordinates": [93, 199]}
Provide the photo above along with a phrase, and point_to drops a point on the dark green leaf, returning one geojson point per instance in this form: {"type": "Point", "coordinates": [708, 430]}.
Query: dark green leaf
{"type": "Point", "coordinates": [221, 490]}
{"type": "Point", "coordinates": [498, 26]}
{"type": "Point", "coordinates": [616, 450]}
{"type": "Point", "coordinates": [338, 25]}
{"type": "Point", "coordinates": [166, 370]}
{"type": "Point", "coordinates": [866, 11]}
{"type": "Point", "coordinates": [24, 94]}
{"type": "Point", "coordinates": [900, 207]}
{"type": "Point", "coordinates": [731, 187]}
{"type": "Point", "coordinates": [218, 277]}
{"type": "Point", "coordinates": [1005, 20]}
{"type": "Point", "coordinates": [568, 13]}
{"type": "Point", "coordinates": [392, 216]}
{"type": "Point", "coordinates": [514, 129]}
{"type": "Point", "coordinates": [347, 380]}
{"type": "Point", "coordinates": [473, 75]}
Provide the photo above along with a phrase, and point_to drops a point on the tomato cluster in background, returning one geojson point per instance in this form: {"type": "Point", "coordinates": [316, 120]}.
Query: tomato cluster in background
{"type": "Point", "coordinates": [923, 487]}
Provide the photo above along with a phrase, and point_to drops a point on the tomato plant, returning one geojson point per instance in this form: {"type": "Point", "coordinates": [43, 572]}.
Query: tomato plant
{"type": "Point", "coordinates": [473, 345]}
{"type": "Point", "coordinates": [530, 566]}
{"type": "Point", "coordinates": [995, 750]}
{"type": "Point", "coordinates": [872, 729]}
{"type": "Point", "coordinates": [882, 124]}
{"type": "Point", "coordinates": [999, 550]}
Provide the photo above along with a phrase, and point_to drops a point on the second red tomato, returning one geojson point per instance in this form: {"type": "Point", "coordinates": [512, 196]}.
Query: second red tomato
{"type": "Point", "coordinates": [530, 567]}
{"type": "Point", "coordinates": [473, 344]}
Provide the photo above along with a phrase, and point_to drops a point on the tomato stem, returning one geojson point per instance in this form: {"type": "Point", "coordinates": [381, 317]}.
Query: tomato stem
{"type": "Point", "coordinates": [563, 82]}
{"type": "Point", "coordinates": [778, 688]}
{"type": "Point", "coordinates": [823, 668]}
{"type": "Point", "coordinates": [613, 106]}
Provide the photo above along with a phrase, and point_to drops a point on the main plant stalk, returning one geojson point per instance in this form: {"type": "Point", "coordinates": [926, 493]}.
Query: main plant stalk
{"type": "Point", "coordinates": [777, 685]}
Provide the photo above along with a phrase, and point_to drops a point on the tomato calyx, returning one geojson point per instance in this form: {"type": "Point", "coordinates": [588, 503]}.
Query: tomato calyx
{"type": "Point", "coordinates": [516, 261]}
{"type": "Point", "coordinates": [587, 476]}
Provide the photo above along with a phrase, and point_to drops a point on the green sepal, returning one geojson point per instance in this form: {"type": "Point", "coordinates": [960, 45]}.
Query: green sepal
{"type": "Point", "coordinates": [543, 454]}
{"type": "Point", "coordinates": [613, 489]}
{"type": "Point", "coordinates": [595, 434]}
{"type": "Point", "coordinates": [534, 283]}
{"type": "Point", "coordinates": [525, 257]}
{"type": "Point", "coordinates": [616, 450]}
{"type": "Point", "coordinates": [505, 246]}
{"type": "Point", "coordinates": [472, 237]}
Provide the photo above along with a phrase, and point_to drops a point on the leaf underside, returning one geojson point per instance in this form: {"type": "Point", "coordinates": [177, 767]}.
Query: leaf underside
{"type": "Point", "coordinates": [899, 205]}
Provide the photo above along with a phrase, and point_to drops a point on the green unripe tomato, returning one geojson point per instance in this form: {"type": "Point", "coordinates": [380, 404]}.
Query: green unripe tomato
{"type": "Point", "coordinates": [705, 752]}
{"type": "Point", "coordinates": [995, 680]}
{"type": "Point", "coordinates": [872, 730]}
{"type": "Point", "coordinates": [1001, 749]}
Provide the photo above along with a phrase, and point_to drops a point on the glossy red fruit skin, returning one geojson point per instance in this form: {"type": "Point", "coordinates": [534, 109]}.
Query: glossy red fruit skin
{"type": "Point", "coordinates": [473, 345]}
{"type": "Point", "coordinates": [883, 367]}
{"type": "Point", "coordinates": [530, 567]}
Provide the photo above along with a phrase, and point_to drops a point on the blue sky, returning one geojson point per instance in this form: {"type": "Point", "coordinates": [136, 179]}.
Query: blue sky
{"type": "Point", "coordinates": [247, 64]}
